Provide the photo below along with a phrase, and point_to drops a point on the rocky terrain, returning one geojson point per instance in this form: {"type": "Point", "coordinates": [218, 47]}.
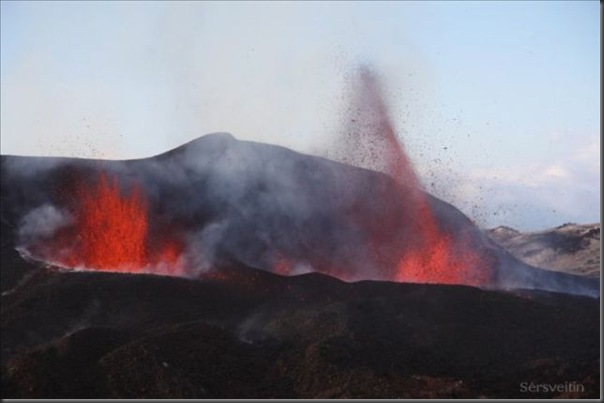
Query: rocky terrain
{"type": "Point", "coordinates": [245, 333]}
{"type": "Point", "coordinates": [569, 248]}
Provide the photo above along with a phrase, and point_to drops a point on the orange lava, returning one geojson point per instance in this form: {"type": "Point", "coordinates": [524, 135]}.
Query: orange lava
{"type": "Point", "coordinates": [111, 232]}
{"type": "Point", "coordinates": [438, 258]}
{"type": "Point", "coordinates": [432, 255]}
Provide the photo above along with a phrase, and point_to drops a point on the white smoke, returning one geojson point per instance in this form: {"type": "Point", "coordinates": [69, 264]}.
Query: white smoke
{"type": "Point", "coordinates": [43, 222]}
{"type": "Point", "coordinates": [203, 245]}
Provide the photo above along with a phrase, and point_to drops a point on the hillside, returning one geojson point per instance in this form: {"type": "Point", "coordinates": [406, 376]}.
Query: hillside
{"type": "Point", "coordinates": [569, 248]}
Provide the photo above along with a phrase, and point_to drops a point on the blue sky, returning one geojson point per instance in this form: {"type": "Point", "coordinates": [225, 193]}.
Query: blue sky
{"type": "Point", "coordinates": [511, 89]}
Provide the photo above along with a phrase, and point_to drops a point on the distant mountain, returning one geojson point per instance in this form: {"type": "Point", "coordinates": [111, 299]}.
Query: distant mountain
{"type": "Point", "coordinates": [569, 248]}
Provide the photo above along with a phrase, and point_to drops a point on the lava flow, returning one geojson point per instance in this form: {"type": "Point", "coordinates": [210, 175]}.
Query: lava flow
{"type": "Point", "coordinates": [430, 255]}
{"type": "Point", "coordinates": [111, 232]}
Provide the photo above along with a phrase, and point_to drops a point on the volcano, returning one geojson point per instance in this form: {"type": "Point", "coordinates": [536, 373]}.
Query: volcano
{"type": "Point", "coordinates": [220, 199]}
{"type": "Point", "coordinates": [234, 269]}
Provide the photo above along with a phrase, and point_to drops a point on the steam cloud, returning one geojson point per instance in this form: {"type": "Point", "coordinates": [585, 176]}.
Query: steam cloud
{"type": "Point", "coordinates": [43, 222]}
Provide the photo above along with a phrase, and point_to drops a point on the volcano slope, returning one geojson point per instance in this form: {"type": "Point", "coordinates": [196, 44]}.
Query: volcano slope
{"type": "Point", "coordinates": [230, 328]}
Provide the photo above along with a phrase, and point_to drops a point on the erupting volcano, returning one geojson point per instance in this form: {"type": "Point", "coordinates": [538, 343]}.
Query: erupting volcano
{"type": "Point", "coordinates": [216, 201]}
{"type": "Point", "coordinates": [243, 202]}
{"type": "Point", "coordinates": [111, 232]}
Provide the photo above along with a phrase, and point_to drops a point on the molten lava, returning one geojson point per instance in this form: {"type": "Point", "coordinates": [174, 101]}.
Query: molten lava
{"type": "Point", "coordinates": [438, 258]}
{"type": "Point", "coordinates": [111, 232]}
{"type": "Point", "coordinates": [431, 255]}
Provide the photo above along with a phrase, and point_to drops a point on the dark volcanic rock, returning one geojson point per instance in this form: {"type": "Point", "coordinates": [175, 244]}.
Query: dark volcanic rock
{"type": "Point", "coordinates": [14, 267]}
{"type": "Point", "coordinates": [80, 335]}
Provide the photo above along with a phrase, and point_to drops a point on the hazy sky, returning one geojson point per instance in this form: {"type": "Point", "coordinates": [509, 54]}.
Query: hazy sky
{"type": "Point", "coordinates": [498, 103]}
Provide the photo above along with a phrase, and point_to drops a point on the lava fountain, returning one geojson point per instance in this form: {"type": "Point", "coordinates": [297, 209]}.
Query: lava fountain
{"type": "Point", "coordinates": [430, 254]}
{"type": "Point", "coordinates": [111, 232]}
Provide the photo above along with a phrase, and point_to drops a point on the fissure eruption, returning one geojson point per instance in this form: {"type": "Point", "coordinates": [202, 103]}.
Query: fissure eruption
{"type": "Point", "coordinates": [111, 232]}
{"type": "Point", "coordinates": [115, 227]}
{"type": "Point", "coordinates": [430, 254]}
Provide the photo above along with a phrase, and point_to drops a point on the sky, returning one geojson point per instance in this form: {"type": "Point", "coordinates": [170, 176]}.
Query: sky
{"type": "Point", "coordinates": [497, 103]}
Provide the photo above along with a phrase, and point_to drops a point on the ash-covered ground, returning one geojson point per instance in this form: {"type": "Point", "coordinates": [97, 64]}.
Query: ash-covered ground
{"type": "Point", "coordinates": [253, 334]}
